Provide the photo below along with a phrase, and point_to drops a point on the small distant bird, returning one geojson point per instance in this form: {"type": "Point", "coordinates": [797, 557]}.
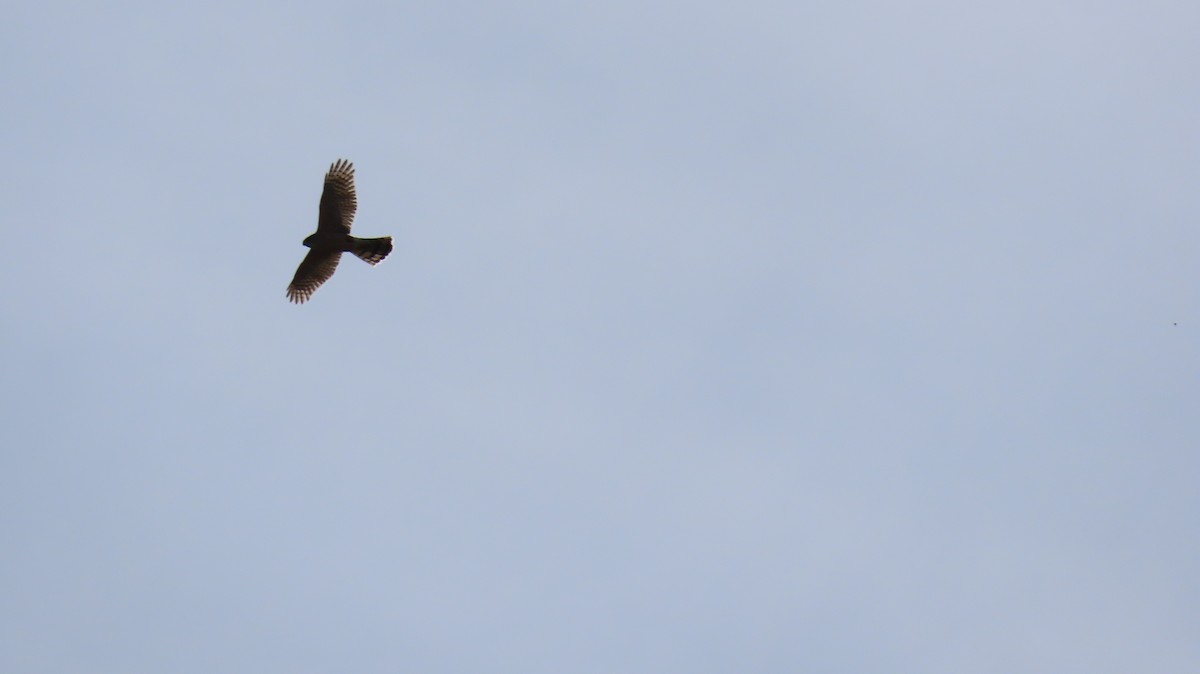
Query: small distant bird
{"type": "Point", "coordinates": [332, 238]}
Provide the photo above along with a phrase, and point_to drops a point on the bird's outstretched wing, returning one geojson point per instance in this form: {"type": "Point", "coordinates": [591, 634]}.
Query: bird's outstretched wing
{"type": "Point", "coordinates": [314, 269]}
{"type": "Point", "coordinates": [338, 200]}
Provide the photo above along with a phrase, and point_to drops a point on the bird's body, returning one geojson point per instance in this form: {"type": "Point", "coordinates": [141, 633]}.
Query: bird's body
{"type": "Point", "coordinates": [332, 238]}
{"type": "Point", "coordinates": [370, 250]}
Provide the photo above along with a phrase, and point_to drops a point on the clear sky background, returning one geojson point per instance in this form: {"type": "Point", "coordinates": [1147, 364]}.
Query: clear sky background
{"type": "Point", "coordinates": [718, 337]}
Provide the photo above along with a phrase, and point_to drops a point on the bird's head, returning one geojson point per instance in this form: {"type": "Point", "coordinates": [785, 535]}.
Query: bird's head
{"type": "Point", "coordinates": [309, 240]}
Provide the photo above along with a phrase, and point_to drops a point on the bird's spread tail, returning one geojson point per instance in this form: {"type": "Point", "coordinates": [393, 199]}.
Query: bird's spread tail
{"type": "Point", "coordinates": [372, 251]}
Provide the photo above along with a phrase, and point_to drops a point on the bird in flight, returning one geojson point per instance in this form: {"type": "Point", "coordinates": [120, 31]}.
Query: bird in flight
{"type": "Point", "coordinates": [332, 238]}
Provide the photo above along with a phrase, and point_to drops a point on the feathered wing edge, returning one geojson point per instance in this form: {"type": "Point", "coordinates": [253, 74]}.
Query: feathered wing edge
{"type": "Point", "coordinates": [314, 269]}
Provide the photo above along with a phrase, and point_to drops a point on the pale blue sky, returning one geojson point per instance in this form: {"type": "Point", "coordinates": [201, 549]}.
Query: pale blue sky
{"type": "Point", "coordinates": [725, 337]}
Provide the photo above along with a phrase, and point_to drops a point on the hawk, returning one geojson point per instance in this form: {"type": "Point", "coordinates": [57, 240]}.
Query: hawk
{"type": "Point", "coordinates": [332, 238]}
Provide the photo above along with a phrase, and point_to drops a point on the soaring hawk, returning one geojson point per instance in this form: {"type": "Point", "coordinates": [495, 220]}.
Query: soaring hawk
{"type": "Point", "coordinates": [332, 238]}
